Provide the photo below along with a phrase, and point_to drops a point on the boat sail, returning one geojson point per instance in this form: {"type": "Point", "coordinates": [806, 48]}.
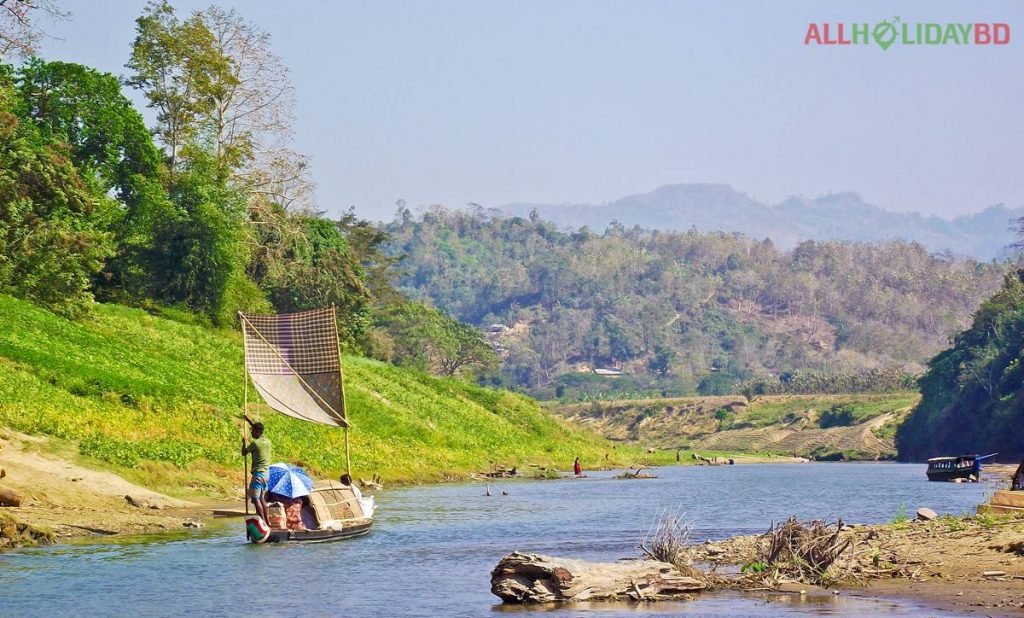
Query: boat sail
{"type": "Point", "coordinates": [293, 361]}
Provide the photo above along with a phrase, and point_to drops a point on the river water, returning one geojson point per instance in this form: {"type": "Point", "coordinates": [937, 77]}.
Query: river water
{"type": "Point", "coordinates": [433, 547]}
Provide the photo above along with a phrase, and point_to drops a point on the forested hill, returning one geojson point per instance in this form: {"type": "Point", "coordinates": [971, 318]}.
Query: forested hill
{"type": "Point", "coordinates": [679, 312]}
{"type": "Point", "coordinates": [972, 397]}
{"type": "Point", "coordinates": [839, 216]}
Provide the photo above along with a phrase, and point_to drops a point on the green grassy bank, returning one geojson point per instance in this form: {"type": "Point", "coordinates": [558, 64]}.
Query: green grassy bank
{"type": "Point", "coordinates": [158, 399]}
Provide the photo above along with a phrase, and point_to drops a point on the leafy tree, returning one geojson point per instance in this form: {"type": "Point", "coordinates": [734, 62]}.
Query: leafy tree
{"type": "Point", "coordinates": [840, 415]}
{"type": "Point", "coordinates": [320, 270]}
{"type": "Point", "coordinates": [217, 85]}
{"type": "Point", "coordinates": [108, 141]}
{"type": "Point", "coordinates": [661, 362]}
{"type": "Point", "coordinates": [459, 346]}
{"type": "Point", "coordinates": [429, 340]}
{"type": "Point", "coordinates": [716, 384]}
{"type": "Point", "coordinates": [53, 222]}
{"type": "Point", "coordinates": [200, 251]}
{"type": "Point", "coordinates": [175, 65]}
{"type": "Point", "coordinates": [368, 242]}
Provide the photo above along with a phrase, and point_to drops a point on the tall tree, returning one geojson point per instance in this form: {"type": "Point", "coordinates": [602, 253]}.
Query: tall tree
{"type": "Point", "coordinates": [429, 340]}
{"type": "Point", "coordinates": [252, 117]}
{"type": "Point", "coordinates": [176, 65]}
{"type": "Point", "coordinates": [200, 253]}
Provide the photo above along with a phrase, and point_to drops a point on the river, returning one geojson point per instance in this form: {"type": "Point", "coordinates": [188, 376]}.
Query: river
{"type": "Point", "coordinates": [432, 547]}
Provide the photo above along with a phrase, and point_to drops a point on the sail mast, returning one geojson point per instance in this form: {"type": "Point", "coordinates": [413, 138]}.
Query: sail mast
{"type": "Point", "coordinates": [344, 405]}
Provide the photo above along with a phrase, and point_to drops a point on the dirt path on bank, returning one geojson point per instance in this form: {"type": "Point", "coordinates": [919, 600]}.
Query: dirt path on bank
{"type": "Point", "coordinates": [71, 500]}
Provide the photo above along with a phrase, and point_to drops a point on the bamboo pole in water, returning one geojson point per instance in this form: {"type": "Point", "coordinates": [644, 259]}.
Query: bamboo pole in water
{"type": "Point", "coordinates": [245, 418]}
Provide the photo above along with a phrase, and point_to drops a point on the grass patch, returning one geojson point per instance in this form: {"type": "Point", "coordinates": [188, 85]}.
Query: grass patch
{"type": "Point", "coordinates": [843, 409]}
{"type": "Point", "coordinates": [902, 518]}
{"type": "Point", "coordinates": [158, 399]}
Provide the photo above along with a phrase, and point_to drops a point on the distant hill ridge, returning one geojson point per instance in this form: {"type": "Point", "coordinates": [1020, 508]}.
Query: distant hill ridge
{"type": "Point", "coordinates": [837, 216]}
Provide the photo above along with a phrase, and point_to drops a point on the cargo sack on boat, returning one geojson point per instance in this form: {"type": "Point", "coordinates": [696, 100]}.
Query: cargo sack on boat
{"type": "Point", "coordinates": [293, 515]}
{"type": "Point", "coordinates": [293, 361]}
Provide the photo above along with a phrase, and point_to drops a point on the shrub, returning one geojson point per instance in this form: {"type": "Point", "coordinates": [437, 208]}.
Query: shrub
{"type": "Point", "coordinates": [839, 415]}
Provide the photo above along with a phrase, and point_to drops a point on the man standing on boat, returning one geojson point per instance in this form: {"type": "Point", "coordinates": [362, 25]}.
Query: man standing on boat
{"type": "Point", "coordinates": [259, 448]}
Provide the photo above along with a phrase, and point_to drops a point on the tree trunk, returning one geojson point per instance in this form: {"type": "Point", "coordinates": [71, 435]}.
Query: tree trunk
{"type": "Point", "coordinates": [9, 497]}
{"type": "Point", "coordinates": [534, 578]}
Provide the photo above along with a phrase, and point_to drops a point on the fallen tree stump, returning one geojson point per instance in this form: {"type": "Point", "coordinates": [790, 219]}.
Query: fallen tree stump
{"type": "Point", "coordinates": [639, 474]}
{"type": "Point", "coordinates": [535, 578]}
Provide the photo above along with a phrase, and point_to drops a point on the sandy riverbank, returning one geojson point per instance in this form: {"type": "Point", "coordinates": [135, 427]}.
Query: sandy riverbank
{"type": "Point", "coordinates": [62, 500]}
{"type": "Point", "coordinates": [966, 565]}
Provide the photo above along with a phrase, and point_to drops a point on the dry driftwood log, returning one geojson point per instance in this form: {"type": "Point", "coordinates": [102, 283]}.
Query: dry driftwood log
{"type": "Point", "coordinates": [534, 578]}
{"type": "Point", "coordinates": [9, 497]}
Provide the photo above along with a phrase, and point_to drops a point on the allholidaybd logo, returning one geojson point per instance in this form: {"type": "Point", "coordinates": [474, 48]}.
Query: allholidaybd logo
{"type": "Point", "coordinates": [888, 32]}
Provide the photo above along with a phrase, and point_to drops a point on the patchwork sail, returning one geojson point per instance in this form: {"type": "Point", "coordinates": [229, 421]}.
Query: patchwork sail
{"type": "Point", "coordinates": [294, 363]}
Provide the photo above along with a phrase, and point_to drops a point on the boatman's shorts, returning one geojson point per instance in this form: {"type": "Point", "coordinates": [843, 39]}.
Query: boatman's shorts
{"type": "Point", "coordinates": [258, 485]}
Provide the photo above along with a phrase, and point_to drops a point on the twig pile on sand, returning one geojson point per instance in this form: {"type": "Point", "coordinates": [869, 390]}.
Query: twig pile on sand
{"type": "Point", "coordinates": [816, 552]}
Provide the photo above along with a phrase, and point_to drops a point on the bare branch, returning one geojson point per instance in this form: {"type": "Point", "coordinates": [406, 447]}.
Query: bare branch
{"type": "Point", "coordinates": [20, 31]}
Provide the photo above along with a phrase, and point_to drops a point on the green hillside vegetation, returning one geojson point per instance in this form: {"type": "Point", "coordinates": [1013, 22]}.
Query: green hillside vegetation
{"type": "Point", "coordinates": [972, 396]}
{"type": "Point", "coordinates": [687, 312]}
{"type": "Point", "coordinates": [158, 400]}
{"type": "Point", "coordinates": [857, 426]}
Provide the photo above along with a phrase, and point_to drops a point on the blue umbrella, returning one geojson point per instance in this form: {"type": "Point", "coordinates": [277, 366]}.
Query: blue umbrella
{"type": "Point", "coordinates": [289, 481]}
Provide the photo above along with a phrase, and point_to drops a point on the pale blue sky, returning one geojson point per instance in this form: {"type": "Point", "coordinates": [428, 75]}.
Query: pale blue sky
{"type": "Point", "coordinates": [587, 101]}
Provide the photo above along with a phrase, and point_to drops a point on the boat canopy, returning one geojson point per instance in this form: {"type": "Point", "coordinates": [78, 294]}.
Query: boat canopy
{"type": "Point", "coordinates": [935, 460]}
{"type": "Point", "coordinates": [294, 363]}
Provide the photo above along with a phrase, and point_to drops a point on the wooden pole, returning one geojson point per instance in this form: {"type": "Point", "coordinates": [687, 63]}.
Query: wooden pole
{"type": "Point", "coordinates": [245, 412]}
{"type": "Point", "coordinates": [348, 458]}
{"type": "Point", "coordinates": [245, 474]}
{"type": "Point", "coordinates": [344, 405]}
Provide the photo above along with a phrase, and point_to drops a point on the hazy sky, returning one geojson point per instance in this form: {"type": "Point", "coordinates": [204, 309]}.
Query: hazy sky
{"type": "Point", "coordinates": [587, 101]}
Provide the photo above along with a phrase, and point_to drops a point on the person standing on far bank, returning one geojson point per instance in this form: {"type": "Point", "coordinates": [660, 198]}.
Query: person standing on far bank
{"type": "Point", "coordinates": [259, 448]}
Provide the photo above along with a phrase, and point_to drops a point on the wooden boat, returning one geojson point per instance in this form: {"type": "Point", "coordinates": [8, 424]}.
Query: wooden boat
{"type": "Point", "coordinates": [294, 362]}
{"type": "Point", "coordinates": [964, 467]}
